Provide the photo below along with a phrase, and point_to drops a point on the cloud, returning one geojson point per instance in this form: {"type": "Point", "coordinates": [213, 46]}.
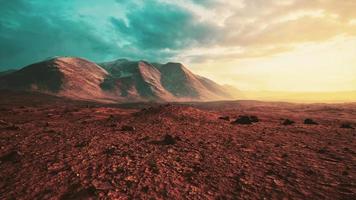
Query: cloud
{"type": "Point", "coordinates": [267, 27]}
{"type": "Point", "coordinates": [29, 34]}
{"type": "Point", "coordinates": [162, 30]}
{"type": "Point", "coordinates": [159, 26]}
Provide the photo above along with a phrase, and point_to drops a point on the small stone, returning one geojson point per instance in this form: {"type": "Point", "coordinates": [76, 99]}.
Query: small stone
{"type": "Point", "coordinates": [226, 118]}
{"type": "Point", "coordinates": [13, 127]}
{"type": "Point", "coordinates": [131, 179]}
{"type": "Point", "coordinates": [346, 125]}
{"type": "Point", "coordinates": [100, 185]}
{"type": "Point", "coordinates": [254, 119]}
{"type": "Point", "coordinates": [322, 150]}
{"type": "Point", "coordinates": [13, 156]}
{"type": "Point", "coordinates": [345, 173]}
{"type": "Point", "coordinates": [82, 144]}
{"type": "Point", "coordinates": [168, 140]}
{"type": "Point", "coordinates": [128, 128]}
{"type": "Point", "coordinates": [110, 151]}
{"type": "Point", "coordinates": [310, 122]}
{"type": "Point", "coordinates": [288, 122]}
{"type": "Point", "coordinates": [56, 167]}
{"type": "Point", "coordinates": [279, 183]}
{"type": "Point", "coordinates": [3, 123]}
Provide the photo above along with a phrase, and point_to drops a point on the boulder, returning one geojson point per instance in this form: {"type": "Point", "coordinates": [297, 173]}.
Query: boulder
{"type": "Point", "coordinates": [288, 122]}
{"type": "Point", "coordinates": [310, 122]}
{"type": "Point", "coordinates": [168, 140]}
{"type": "Point", "coordinates": [346, 125]}
{"type": "Point", "coordinates": [245, 119]}
{"type": "Point", "coordinates": [254, 119]}
{"type": "Point", "coordinates": [128, 128]}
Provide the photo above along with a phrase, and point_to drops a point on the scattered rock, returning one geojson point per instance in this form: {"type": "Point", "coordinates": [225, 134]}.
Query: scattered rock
{"type": "Point", "coordinates": [288, 122]}
{"type": "Point", "coordinates": [3, 123]}
{"type": "Point", "coordinates": [100, 185]}
{"type": "Point", "coordinates": [310, 122]}
{"type": "Point", "coordinates": [80, 193]}
{"type": "Point", "coordinates": [113, 125]}
{"type": "Point", "coordinates": [254, 119]}
{"type": "Point", "coordinates": [153, 166]}
{"type": "Point", "coordinates": [346, 125]}
{"type": "Point", "coordinates": [110, 151]}
{"type": "Point", "coordinates": [13, 127]}
{"type": "Point", "coordinates": [309, 172]}
{"type": "Point", "coordinates": [168, 140]}
{"type": "Point", "coordinates": [242, 120]}
{"type": "Point", "coordinates": [322, 150]}
{"type": "Point", "coordinates": [113, 119]}
{"type": "Point", "coordinates": [131, 179]}
{"type": "Point", "coordinates": [345, 173]}
{"type": "Point", "coordinates": [82, 144]}
{"type": "Point", "coordinates": [278, 183]}
{"type": "Point", "coordinates": [226, 118]}
{"type": "Point", "coordinates": [12, 156]}
{"type": "Point", "coordinates": [9, 126]}
{"type": "Point", "coordinates": [56, 167]}
{"type": "Point", "coordinates": [128, 128]}
{"type": "Point", "coordinates": [145, 189]}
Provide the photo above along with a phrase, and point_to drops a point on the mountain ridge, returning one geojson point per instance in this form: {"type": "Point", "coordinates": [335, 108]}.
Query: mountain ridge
{"type": "Point", "coordinates": [120, 80]}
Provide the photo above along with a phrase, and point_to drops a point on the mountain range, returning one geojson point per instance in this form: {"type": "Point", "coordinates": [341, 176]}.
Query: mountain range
{"type": "Point", "coordinates": [121, 80]}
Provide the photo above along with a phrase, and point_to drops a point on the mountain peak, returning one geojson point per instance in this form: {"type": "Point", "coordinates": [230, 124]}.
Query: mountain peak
{"type": "Point", "coordinates": [173, 65]}
{"type": "Point", "coordinates": [118, 80]}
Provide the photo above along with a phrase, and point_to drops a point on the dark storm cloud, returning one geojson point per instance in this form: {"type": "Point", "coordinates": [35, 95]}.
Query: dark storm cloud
{"type": "Point", "coordinates": [164, 26]}
{"type": "Point", "coordinates": [32, 30]}
{"type": "Point", "coordinates": [29, 34]}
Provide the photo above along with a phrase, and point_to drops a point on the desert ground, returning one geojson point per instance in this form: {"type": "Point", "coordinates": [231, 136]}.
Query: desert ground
{"type": "Point", "coordinates": [54, 148]}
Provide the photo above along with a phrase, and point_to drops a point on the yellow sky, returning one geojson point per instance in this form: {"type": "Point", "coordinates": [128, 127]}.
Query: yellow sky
{"type": "Point", "coordinates": [280, 45]}
{"type": "Point", "coordinates": [313, 66]}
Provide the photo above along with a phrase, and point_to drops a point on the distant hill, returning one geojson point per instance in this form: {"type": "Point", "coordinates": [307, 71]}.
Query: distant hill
{"type": "Point", "coordinates": [302, 97]}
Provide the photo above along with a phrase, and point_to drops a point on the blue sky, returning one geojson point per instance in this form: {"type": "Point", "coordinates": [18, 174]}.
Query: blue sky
{"type": "Point", "coordinates": [33, 30]}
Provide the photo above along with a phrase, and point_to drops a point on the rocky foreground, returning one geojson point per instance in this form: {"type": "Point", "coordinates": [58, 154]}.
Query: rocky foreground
{"type": "Point", "coordinates": [53, 148]}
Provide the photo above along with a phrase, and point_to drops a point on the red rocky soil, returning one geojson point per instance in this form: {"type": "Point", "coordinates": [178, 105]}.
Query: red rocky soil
{"type": "Point", "coordinates": [53, 148]}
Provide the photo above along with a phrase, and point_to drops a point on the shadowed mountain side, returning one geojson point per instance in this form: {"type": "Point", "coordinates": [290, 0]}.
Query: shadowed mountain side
{"type": "Point", "coordinates": [3, 73]}
{"type": "Point", "coordinates": [44, 76]}
{"type": "Point", "coordinates": [167, 82]}
{"type": "Point", "coordinates": [69, 77]}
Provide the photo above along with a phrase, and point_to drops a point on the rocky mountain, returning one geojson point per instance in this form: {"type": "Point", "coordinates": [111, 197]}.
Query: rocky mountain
{"type": "Point", "coordinates": [118, 81]}
{"type": "Point", "coordinates": [3, 73]}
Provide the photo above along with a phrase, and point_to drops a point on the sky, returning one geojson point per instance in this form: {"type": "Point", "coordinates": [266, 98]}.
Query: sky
{"type": "Point", "coordinates": [256, 45]}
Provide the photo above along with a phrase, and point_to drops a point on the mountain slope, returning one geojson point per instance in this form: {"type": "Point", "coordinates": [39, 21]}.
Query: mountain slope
{"type": "Point", "coordinates": [119, 81]}
{"type": "Point", "coordinates": [70, 77]}
{"type": "Point", "coordinates": [171, 81]}
{"type": "Point", "coordinates": [135, 80]}
{"type": "Point", "coordinates": [3, 73]}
